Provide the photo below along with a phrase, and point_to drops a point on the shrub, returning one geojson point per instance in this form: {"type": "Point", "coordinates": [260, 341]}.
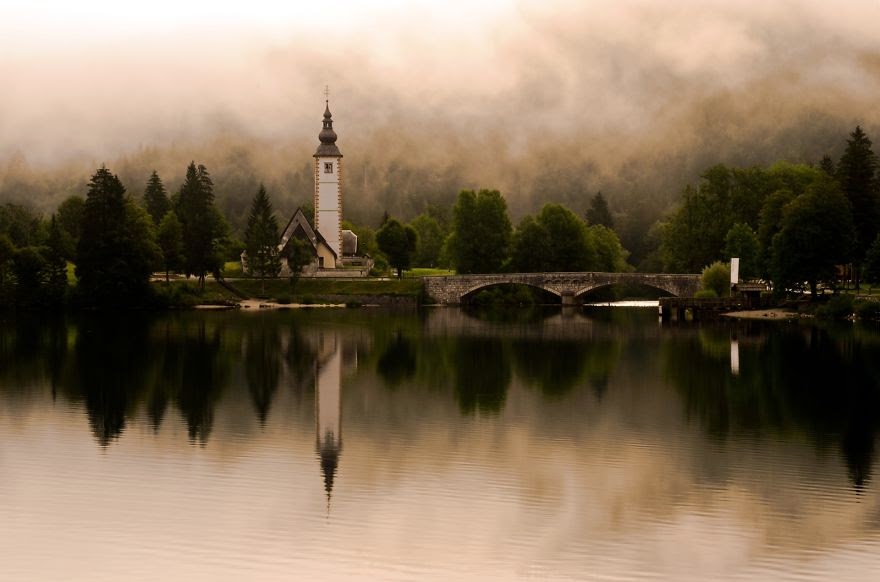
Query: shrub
{"type": "Point", "coordinates": [717, 278]}
{"type": "Point", "coordinates": [706, 294]}
{"type": "Point", "coordinates": [283, 300]}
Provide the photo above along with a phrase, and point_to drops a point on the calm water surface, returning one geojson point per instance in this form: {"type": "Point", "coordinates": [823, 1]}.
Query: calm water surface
{"type": "Point", "coordinates": [363, 444]}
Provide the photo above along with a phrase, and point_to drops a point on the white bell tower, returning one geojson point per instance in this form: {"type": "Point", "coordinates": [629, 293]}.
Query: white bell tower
{"type": "Point", "coordinates": [328, 186]}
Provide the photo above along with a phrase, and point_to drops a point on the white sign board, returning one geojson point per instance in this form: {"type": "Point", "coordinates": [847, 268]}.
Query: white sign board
{"type": "Point", "coordinates": [734, 271]}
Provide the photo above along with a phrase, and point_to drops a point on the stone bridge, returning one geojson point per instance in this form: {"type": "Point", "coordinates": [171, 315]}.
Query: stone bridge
{"type": "Point", "coordinates": [569, 287]}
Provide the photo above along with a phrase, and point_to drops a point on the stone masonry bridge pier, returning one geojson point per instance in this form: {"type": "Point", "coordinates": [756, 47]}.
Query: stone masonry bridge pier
{"type": "Point", "coordinates": [451, 290]}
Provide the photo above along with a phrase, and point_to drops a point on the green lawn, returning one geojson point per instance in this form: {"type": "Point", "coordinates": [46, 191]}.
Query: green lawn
{"type": "Point", "coordinates": [426, 272]}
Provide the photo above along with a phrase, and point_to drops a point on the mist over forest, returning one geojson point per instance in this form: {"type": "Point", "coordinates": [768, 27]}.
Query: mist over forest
{"type": "Point", "coordinates": [547, 102]}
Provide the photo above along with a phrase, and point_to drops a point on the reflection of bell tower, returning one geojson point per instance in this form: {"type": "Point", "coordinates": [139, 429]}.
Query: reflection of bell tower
{"type": "Point", "coordinates": [328, 408]}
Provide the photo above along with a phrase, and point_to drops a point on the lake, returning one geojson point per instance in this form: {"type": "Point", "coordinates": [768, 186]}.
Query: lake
{"type": "Point", "coordinates": [443, 444]}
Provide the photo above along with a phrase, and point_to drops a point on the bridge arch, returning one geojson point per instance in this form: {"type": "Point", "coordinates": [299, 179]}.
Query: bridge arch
{"type": "Point", "coordinates": [470, 292]}
{"type": "Point", "coordinates": [580, 293]}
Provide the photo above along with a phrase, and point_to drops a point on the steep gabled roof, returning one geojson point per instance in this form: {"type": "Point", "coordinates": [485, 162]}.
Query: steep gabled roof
{"type": "Point", "coordinates": [299, 223]}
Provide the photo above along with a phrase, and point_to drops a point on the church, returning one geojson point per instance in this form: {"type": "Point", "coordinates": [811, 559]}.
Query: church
{"type": "Point", "coordinates": [332, 247]}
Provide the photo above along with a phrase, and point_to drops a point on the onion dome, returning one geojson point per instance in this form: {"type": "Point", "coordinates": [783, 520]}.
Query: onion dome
{"type": "Point", "coordinates": [327, 137]}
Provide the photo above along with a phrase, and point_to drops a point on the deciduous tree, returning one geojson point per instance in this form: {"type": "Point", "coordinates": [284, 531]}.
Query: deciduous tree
{"type": "Point", "coordinates": [530, 248]}
{"type": "Point", "coordinates": [430, 240]}
{"type": "Point", "coordinates": [817, 233]}
{"type": "Point", "coordinates": [398, 242]}
{"type": "Point", "coordinates": [56, 265]}
{"type": "Point", "coordinates": [298, 255]}
{"type": "Point", "coordinates": [481, 232]}
{"type": "Point", "coordinates": [742, 242]}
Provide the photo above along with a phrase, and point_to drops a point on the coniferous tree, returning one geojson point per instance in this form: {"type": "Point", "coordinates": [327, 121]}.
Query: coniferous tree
{"type": "Point", "coordinates": [827, 165]}
{"type": "Point", "coordinates": [261, 239]}
{"type": "Point", "coordinates": [56, 265]}
{"type": "Point", "coordinates": [170, 239]}
{"type": "Point", "coordinates": [857, 174]}
{"type": "Point", "coordinates": [7, 249]}
{"type": "Point", "coordinates": [156, 198]}
{"type": "Point", "coordinates": [872, 262]}
{"type": "Point", "coordinates": [598, 212]}
{"type": "Point", "coordinates": [203, 227]}
{"type": "Point", "coordinates": [117, 249]}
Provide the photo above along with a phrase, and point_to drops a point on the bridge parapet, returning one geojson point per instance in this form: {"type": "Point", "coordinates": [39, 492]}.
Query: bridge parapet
{"type": "Point", "coordinates": [450, 290]}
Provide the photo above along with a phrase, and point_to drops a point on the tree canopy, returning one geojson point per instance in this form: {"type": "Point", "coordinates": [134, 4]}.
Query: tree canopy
{"type": "Point", "coordinates": [816, 234]}
{"type": "Point", "coordinates": [398, 242]}
{"type": "Point", "coordinates": [117, 249]}
{"type": "Point", "coordinates": [481, 232]}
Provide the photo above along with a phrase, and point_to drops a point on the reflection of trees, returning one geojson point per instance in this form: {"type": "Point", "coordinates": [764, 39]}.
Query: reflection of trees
{"type": "Point", "coordinates": [558, 366]}
{"type": "Point", "coordinates": [398, 361]}
{"type": "Point", "coordinates": [262, 361]}
{"type": "Point", "coordinates": [482, 374]}
{"type": "Point", "coordinates": [112, 362]}
{"type": "Point", "coordinates": [801, 380]}
{"type": "Point", "coordinates": [201, 379]}
{"type": "Point", "coordinates": [300, 358]}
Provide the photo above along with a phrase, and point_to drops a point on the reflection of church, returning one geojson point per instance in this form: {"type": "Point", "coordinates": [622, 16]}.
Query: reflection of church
{"type": "Point", "coordinates": [328, 407]}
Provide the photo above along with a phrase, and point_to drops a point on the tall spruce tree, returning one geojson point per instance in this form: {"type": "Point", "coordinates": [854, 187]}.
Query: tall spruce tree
{"type": "Point", "coordinates": [117, 249]}
{"type": "Point", "coordinates": [857, 174]}
{"type": "Point", "coordinates": [261, 239]}
{"type": "Point", "coordinates": [598, 212]}
{"type": "Point", "coordinates": [156, 198]}
{"type": "Point", "coordinates": [203, 227]}
{"type": "Point", "coordinates": [827, 165]}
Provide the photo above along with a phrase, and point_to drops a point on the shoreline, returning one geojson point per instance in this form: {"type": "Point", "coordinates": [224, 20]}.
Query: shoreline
{"type": "Point", "coordinates": [775, 313]}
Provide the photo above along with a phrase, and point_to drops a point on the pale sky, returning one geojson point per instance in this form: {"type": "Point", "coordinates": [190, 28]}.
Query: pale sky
{"type": "Point", "coordinates": [610, 80]}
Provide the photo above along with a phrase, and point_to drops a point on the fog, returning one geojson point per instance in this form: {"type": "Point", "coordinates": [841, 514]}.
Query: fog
{"type": "Point", "coordinates": [544, 100]}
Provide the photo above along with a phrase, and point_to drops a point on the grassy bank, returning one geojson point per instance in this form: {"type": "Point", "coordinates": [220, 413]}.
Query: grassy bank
{"type": "Point", "coordinates": [185, 293]}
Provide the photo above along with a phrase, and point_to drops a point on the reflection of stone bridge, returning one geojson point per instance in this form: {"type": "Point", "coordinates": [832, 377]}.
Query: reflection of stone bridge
{"type": "Point", "coordinates": [568, 286]}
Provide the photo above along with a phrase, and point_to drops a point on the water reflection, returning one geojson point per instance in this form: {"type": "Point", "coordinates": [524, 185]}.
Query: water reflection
{"type": "Point", "coordinates": [820, 381]}
{"type": "Point", "coordinates": [544, 433]}
{"type": "Point", "coordinates": [328, 407]}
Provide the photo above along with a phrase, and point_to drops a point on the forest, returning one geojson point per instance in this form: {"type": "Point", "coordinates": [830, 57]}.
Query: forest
{"type": "Point", "coordinates": [792, 224]}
